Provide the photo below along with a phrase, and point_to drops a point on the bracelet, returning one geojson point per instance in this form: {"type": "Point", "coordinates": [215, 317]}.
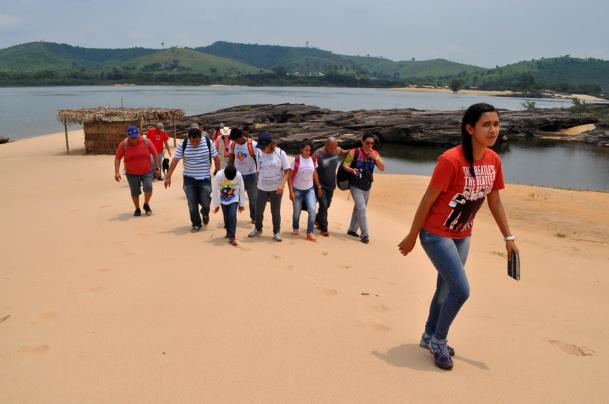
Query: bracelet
{"type": "Point", "coordinates": [509, 238]}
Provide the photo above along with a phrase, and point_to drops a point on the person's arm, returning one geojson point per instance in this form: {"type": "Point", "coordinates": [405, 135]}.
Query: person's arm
{"type": "Point", "coordinates": [291, 186]}
{"type": "Point", "coordinates": [215, 186]}
{"type": "Point", "coordinates": [341, 151]}
{"type": "Point", "coordinates": [168, 149]}
{"type": "Point", "coordinates": [217, 164]}
{"type": "Point", "coordinates": [378, 161]}
{"type": "Point", "coordinates": [408, 242]}
{"type": "Point", "coordinates": [157, 166]}
{"type": "Point", "coordinates": [117, 166]}
{"type": "Point", "coordinates": [241, 193]}
{"type": "Point", "coordinates": [347, 163]}
{"type": "Point", "coordinates": [496, 207]}
{"type": "Point", "coordinates": [287, 172]}
{"type": "Point", "coordinates": [231, 159]}
{"type": "Point", "coordinates": [318, 189]}
{"type": "Point", "coordinates": [172, 167]}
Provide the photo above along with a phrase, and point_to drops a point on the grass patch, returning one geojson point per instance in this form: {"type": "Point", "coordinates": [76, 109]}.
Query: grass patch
{"type": "Point", "coordinates": [560, 235]}
{"type": "Point", "coordinates": [501, 254]}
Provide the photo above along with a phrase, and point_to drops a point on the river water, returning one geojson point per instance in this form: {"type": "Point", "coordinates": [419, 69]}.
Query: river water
{"type": "Point", "coordinates": [30, 111]}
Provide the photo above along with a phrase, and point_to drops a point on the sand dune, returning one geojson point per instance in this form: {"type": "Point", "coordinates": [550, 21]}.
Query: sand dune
{"type": "Point", "coordinates": [100, 307]}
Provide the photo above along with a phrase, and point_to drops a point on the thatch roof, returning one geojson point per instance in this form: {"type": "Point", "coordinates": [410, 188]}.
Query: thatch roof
{"type": "Point", "coordinates": [105, 114]}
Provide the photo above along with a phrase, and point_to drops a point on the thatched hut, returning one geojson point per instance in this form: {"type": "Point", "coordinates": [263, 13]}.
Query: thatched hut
{"type": "Point", "coordinates": [106, 127]}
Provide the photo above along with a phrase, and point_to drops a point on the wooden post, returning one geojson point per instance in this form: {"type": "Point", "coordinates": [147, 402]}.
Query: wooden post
{"type": "Point", "coordinates": [65, 127]}
{"type": "Point", "coordinates": [174, 133]}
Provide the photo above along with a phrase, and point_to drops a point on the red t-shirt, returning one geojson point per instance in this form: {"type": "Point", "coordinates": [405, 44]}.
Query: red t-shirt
{"type": "Point", "coordinates": [452, 214]}
{"type": "Point", "coordinates": [137, 157]}
{"type": "Point", "coordinates": [157, 137]}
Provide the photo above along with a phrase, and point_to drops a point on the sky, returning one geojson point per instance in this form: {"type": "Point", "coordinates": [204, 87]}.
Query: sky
{"type": "Point", "coordinates": [484, 33]}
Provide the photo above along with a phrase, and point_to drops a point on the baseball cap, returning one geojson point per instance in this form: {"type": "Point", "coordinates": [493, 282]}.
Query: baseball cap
{"type": "Point", "coordinates": [264, 140]}
{"type": "Point", "coordinates": [133, 131]}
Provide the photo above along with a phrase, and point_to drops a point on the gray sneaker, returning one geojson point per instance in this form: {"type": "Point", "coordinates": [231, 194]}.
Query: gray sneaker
{"type": "Point", "coordinates": [255, 233]}
{"type": "Point", "coordinates": [277, 237]}
{"type": "Point", "coordinates": [441, 356]}
{"type": "Point", "coordinates": [426, 343]}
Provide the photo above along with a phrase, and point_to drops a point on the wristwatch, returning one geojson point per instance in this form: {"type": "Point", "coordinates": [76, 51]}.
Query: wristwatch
{"type": "Point", "coordinates": [509, 238]}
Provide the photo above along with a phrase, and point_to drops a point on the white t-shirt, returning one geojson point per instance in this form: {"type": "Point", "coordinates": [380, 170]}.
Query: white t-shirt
{"type": "Point", "coordinates": [271, 167]}
{"type": "Point", "coordinates": [304, 177]}
{"type": "Point", "coordinates": [225, 191]}
{"type": "Point", "coordinates": [244, 162]}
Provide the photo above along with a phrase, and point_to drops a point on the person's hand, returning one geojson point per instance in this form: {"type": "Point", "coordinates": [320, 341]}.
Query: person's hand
{"type": "Point", "coordinates": [407, 244]}
{"type": "Point", "coordinates": [320, 192]}
{"type": "Point", "coordinates": [117, 177]}
{"type": "Point", "coordinates": [241, 209]}
{"type": "Point", "coordinates": [167, 182]}
{"type": "Point", "coordinates": [292, 196]}
{"type": "Point", "coordinates": [216, 209]}
{"type": "Point", "coordinates": [279, 191]}
{"type": "Point", "coordinates": [511, 247]}
{"type": "Point", "coordinates": [355, 171]}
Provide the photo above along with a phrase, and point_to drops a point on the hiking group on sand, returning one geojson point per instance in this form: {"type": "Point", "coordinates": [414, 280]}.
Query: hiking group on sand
{"type": "Point", "coordinates": [258, 171]}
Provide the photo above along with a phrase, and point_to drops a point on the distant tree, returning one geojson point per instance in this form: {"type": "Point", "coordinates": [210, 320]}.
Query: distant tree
{"type": "Point", "coordinates": [456, 85]}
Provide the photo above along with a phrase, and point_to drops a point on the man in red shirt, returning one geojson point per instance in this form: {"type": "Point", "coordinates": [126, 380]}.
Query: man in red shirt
{"type": "Point", "coordinates": [137, 152]}
{"type": "Point", "coordinates": [159, 138]}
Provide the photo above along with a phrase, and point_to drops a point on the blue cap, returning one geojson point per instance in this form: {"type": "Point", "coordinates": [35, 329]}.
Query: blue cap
{"type": "Point", "coordinates": [264, 140]}
{"type": "Point", "coordinates": [132, 132]}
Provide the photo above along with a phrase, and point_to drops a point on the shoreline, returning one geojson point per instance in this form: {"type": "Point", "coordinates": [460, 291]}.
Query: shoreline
{"type": "Point", "coordinates": [499, 93]}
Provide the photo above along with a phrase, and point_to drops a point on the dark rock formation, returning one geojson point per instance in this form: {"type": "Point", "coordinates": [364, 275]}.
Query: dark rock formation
{"type": "Point", "coordinates": [4, 139]}
{"type": "Point", "coordinates": [290, 123]}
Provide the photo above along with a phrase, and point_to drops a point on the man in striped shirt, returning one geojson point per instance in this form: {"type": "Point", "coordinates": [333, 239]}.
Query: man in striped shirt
{"type": "Point", "coordinates": [197, 155]}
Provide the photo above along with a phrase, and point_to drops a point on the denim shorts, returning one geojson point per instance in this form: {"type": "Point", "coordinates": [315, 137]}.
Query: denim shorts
{"type": "Point", "coordinates": [136, 182]}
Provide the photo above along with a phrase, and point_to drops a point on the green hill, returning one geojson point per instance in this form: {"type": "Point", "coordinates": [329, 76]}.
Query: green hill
{"type": "Point", "coordinates": [48, 56]}
{"type": "Point", "coordinates": [312, 61]}
{"type": "Point", "coordinates": [565, 73]}
{"type": "Point", "coordinates": [182, 60]}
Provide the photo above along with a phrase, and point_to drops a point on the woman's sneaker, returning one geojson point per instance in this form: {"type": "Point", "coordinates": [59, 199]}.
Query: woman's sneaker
{"type": "Point", "coordinates": [254, 233]}
{"type": "Point", "coordinates": [232, 241]}
{"type": "Point", "coordinates": [277, 237]}
{"type": "Point", "coordinates": [426, 343]}
{"type": "Point", "coordinates": [441, 356]}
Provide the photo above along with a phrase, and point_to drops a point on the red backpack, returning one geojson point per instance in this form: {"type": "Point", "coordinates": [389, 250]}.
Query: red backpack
{"type": "Point", "coordinates": [297, 163]}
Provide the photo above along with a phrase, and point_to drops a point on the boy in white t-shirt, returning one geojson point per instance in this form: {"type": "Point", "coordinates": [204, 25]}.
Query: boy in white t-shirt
{"type": "Point", "coordinates": [302, 191]}
{"type": "Point", "coordinates": [228, 191]}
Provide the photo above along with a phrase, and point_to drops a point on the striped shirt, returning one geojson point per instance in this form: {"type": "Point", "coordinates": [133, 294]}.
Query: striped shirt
{"type": "Point", "coordinates": [197, 163]}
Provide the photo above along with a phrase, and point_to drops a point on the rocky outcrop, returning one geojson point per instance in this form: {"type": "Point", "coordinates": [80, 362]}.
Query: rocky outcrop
{"type": "Point", "coordinates": [290, 123]}
{"type": "Point", "coordinates": [4, 139]}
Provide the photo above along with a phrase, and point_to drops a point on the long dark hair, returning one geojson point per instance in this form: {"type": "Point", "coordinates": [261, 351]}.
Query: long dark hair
{"type": "Point", "coordinates": [471, 117]}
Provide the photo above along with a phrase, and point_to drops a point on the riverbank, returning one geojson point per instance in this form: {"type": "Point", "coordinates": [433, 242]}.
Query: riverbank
{"type": "Point", "coordinates": [99, 306]}
{"type": "Point", "coordinates": [497, 93]}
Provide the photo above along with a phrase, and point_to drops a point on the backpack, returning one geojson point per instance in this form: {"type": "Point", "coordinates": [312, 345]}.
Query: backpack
{"type": "Point", "coordinates": [126, 143]}
{"type": "Point", "coordinates": [343, 176]}
{"type": "Point", "coordinates": [297, 164]}
{"type": "Point", "coordinates": [250, 149]}
{"type": "Point", "coordinates": [185, 142]}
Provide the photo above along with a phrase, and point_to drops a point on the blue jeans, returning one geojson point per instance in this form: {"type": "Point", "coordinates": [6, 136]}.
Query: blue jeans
{"type": "Point", "coordinates": [308, 197]}
{"type": "Point", "coordinates": [250, 181]}
{"type": "Point", "coordinates": [358, 217]}
{"type": "Point", "coordinates": [452, 289]}
{"type": "Point", "coordinates": [230, 218]}
{"type": "Point", "coordinates": [198, 193]}
{"type": "Point", "coordinates": [324, 205]}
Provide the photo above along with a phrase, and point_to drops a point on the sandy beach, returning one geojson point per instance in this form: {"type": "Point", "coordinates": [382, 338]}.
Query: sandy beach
{"type": "Point", "coordinates": [503, 93]}
{"type": "Point", "coordinates": [97, 306]}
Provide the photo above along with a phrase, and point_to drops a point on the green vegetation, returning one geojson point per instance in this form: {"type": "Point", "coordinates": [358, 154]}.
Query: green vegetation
{"type": "Point", "coordinates": [43, 63]}
{"type": "Point", "coordinates": [529, 105]}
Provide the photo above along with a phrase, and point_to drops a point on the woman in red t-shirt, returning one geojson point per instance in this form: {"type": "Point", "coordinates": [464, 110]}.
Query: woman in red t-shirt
{"type": "Point", "coordinates": [463, 177]}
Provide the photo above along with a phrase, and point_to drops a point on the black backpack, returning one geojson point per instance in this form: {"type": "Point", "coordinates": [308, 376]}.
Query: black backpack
{"type": "Point", "coordinates": [343, 176]}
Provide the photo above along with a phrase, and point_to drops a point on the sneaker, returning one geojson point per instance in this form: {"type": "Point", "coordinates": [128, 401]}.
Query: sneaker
{"type": "Point", "coordinates": [277, 237]}
{"type": "Point", "coordinates": [232, 241]}
{"type": "Point", "coordinates": [311, 237]}
{"type": "Point", "coordinates": [195, 229]}
{"type": "Point", "coordinates": [295, 232]}
{"type": "Point", "coordinates": [325, 233]}
{"type": "Point", "coordinates": [441, 356]}
{"type": "Point", "coordinates": [206, 219]}
{"type": "Point", "coordinates": [426, 343]}
{"type": "Point", "coordinates": [137, 212]}
{"type": "Point", "coordinates": [255, 233]}
{"type": "Point", "coordinates": [252, 221]}
{"type": "Point", "coordinates": [353, 233]}
{"type": "Point", "coordinates": [147, 209]}
{"type": "Point", "coordinates": [365, 239]}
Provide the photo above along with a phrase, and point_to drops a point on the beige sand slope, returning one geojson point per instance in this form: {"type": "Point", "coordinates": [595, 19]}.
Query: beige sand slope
{"type": "Point", "coordinates": [99, 307]}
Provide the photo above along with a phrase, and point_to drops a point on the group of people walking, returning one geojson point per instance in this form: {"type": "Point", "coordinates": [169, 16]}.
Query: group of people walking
{"type": "Point", "coordinates": [254, 171]}
{"type": "Point", "coordinates": [464, 177]}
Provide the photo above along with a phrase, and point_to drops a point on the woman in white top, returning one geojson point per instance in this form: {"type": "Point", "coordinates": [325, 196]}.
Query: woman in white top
{"type": "Point", "coordinates": [273, 171]}
{"type": "Point", "coordinates": [302, 183]}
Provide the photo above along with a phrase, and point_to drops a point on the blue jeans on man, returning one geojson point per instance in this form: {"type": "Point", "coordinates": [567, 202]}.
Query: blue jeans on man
{"type": "Point", "coordinates": [452, 288]}
{"type": "Point", "coordinates": [230, 218]}
{"type": "Point", "coordinates": [306, 197]}
{"type": "Point", "coordinates": [198, 193]}
{"type": "Point", "coordinates": [250, 181]}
